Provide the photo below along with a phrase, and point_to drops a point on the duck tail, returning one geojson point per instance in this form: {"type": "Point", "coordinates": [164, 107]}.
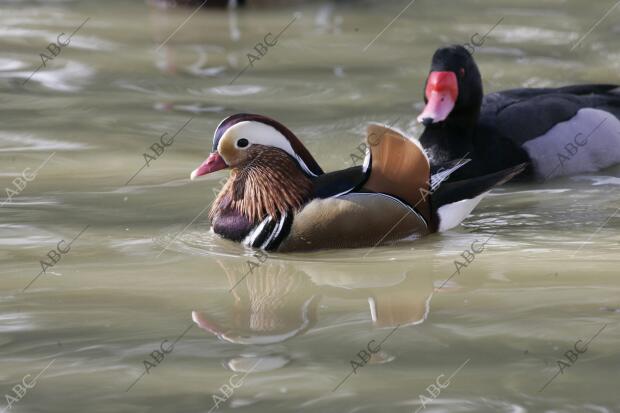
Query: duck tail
{"type": "Point", "coordinates": [452, 202]}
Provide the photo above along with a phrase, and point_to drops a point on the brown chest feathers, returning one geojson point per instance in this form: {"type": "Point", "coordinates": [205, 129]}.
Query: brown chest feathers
{"type": "Point", "coordinates": [270, 182]}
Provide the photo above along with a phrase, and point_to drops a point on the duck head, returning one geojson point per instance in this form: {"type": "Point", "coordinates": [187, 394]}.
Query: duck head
{"type": "Point", "coordinates": [271, 170]}
{"type": "Point", "coordinates": [453, 87]}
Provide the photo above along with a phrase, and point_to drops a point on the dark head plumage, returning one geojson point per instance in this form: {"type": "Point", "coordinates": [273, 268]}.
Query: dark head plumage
{"type": "Point", "coordinates": [453, 89]}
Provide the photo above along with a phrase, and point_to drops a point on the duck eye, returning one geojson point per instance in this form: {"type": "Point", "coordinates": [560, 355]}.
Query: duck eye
{"type": "Point", "coordinates": [242, 143]}
{"type": "Point", "coordinates": [461, 72]}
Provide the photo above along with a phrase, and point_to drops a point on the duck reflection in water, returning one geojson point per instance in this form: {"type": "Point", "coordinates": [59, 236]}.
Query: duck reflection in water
{"type": "Point", "coordinates": [272, 304]}
{"type": "Point", "coordinates": [279, 300]}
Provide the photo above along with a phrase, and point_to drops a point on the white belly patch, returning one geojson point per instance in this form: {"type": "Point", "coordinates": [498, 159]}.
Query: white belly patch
{"type": "Point", "coordinates": [588, 142]}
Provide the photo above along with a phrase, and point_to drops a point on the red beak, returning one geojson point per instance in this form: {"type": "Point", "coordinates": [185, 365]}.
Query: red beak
{"type": "Point", "coordinates": [213, 163]}
{"type": "Point", "coordinates": [442, 89]}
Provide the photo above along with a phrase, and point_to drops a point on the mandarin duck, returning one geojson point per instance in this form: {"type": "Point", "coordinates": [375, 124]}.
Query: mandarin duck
{"type": "Point", "coordinates": [278, 198]}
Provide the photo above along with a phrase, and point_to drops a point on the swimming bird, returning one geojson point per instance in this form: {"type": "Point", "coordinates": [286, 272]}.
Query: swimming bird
{"type": "Point", "coordinates": [556, 131]}
{"type": "Point", "coordinates": [278, 198]}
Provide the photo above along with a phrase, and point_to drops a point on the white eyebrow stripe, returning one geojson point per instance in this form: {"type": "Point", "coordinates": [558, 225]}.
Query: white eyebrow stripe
{"type": "Point", "coordinates": [263, 134]}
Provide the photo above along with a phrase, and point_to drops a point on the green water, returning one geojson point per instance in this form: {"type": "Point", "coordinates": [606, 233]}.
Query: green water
{"type": "Point", "coordinates": [146, 260]}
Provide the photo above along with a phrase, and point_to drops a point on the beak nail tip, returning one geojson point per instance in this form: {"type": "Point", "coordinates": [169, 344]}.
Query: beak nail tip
{"type": "Point", "coordinates": [425, 121]}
